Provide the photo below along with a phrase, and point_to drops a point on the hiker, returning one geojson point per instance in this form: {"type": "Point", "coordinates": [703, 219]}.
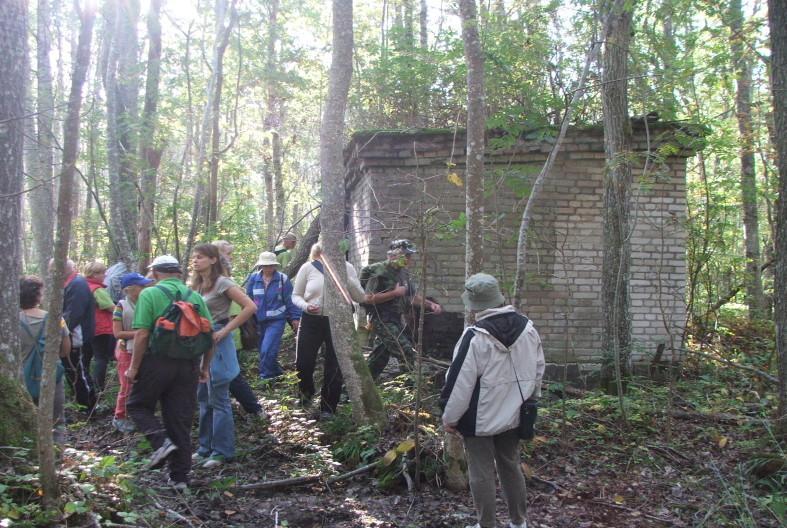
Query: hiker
{"type": "Point", "coordinates": [132, 285]}
{"type": "Point", "coordinates": [103, 344]}
{"type": "Point", "coordinates": [315, 331]}
{"type": "Point", "coordinates": [271, 291]}
{"type": "Point", "coordinates": [79, 312]}
{"type": "Point", "coordinates": [497, 365]}
{"type": "Point", "coordinates": [284, 250]}
{"type": "Point", "coordinates": [216, 424]}
{"type": "Point", "coordinates": [391, 291]}
{"type": "Point", "coordinates": [32, 340]}
{"type": "Point", "coordinates": [225, 255]}
{"type": "Point", "coordinates": [167, 376]}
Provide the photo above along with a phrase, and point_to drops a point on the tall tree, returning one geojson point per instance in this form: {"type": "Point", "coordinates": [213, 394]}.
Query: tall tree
{"type": "Point", "coordinates": [616, 337]}
{"type": "Point", "coordinates": [777, 18]}
{"type": "Point", "coordinates": [271, 124]}
{"type": "Point", "coordinates": [149, 152]}
{"type": "Point", "coordinates": [42, 195]}
{"type": "Point", "coordinates": [62, 237]}
{"type": "Point", "coordinates": [755, 299]}
{"type": "Point", "coordinates": [367, 405]}
{"type": "Point", "coordinates": [476, 127]}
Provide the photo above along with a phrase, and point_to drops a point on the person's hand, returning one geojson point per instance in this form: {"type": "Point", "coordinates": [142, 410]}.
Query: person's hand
{"type": "Point", "coordinates": [400, 290]}
{"type": "Point", "coordinates": [436, 308]}
{"type": "Point", "coordinates": [131, 374]}
{"type": "Point", "coordinates": [312, 308]}
{"type": "Point", "coordinates": [295, 323]}
{"type": "Point", "coordinates": [218, 335]}
{"type": "Point", "coordinates": [450, 429]}
{"type": "Point", "coordinates": [204, 374]}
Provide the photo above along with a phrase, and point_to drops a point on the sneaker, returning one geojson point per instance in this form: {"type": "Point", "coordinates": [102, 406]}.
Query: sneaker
{"type": "Point", "coordinates": [198, 456]}
{"type": "Point", "coordinates": [123, 425]}
{"type": "Point", "coordinates": [523, 525]}
{"type": "Point", "coordinates": [214, 461]}
{"type": "Point", "coordinates": [160, 455]}
{"type": "Point", "coordinates": [476, 525]}
{"type": "Point", "coordinates": [180, 487]}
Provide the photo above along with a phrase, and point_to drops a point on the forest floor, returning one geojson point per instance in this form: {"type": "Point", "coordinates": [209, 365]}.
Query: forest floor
{"type": "Point", "coordinates": [699, 453]}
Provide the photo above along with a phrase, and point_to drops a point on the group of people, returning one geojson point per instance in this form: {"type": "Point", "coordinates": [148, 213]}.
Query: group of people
{"type": "Point", "coordinates": [497, 365]}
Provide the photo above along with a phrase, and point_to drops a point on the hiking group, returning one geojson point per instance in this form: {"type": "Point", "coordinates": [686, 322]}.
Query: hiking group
{"type": "Point", "coordinates": [175, 349]}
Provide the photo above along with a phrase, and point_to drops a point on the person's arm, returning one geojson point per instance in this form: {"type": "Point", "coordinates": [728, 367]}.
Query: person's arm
{"type": "Point", "coordinates": [460, 382]}
{"type": "Point", "coordinates": [299, 287]}
{"type": "Point", "coordinates": [140, 347]}
{"type": "Point", "coordinates": [247, 310]}
{"type": "Point", "coordinates": [103, 300]}
{"type": "Point", "coordinates": [293, 312]}
{"type": "Point", "coordinates": [65, 339]}
{"type": "Point", "coordinates": [117, 325]}
{"type": "Point", "coordinates": [354, 285]}
{"type": "Point", "coordinates": [435, 308]}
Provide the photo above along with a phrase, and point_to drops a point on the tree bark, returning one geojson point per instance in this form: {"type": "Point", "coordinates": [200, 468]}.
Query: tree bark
{"type": "Point", "coordinates": [755, 299]}
{"type": "Point", "coordinates": [42, 198]}
{"type": "Point", "coordinates": [149, 152]}
{"type": "Point", "coordinates": [271, 124]}
{"type": "Point", "coordinates": [367, 405]}
{"type": "Point", "coordinates": [476, 127]}
{"type": "Point", "coordinates": [62, 237]}
{"type": "Point", "coordinates": [616, 337]}
{"type": "Point", "coordinates": [777, 18]}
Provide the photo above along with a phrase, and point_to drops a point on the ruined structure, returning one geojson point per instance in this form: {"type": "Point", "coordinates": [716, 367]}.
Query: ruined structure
{"type": "Point", "coordinates": [410, 184]}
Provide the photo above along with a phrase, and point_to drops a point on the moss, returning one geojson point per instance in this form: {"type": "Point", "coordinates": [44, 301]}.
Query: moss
{"type": "Point", "coordinates": [17, 415]}
{"type": "Point", "coordinates": [369, 393]}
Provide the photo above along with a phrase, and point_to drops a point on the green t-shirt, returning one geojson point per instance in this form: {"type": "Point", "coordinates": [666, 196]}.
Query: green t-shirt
{"type": "Point", "coordinates": [153, 302]}
{"type": "Point", "coordinates": [284, 257]}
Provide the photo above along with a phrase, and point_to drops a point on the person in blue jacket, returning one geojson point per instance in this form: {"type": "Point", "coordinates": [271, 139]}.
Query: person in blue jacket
{"type": "Point", "coordinates": [271, 291]}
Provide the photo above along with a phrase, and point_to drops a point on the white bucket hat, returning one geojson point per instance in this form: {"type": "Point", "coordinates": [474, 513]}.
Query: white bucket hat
{"type": "Point", "coordinates": [267, 258]}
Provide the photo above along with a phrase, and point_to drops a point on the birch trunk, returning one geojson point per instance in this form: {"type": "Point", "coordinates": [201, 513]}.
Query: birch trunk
{"type": "Point", "coordinates": [367, 405]}
{"type": "Point", "coordinates": [616, 337]}
{"type": "Point", "coordinates": [777, 18]}
{"type": "Point", "coordinates": [62, 237]}
{"type": "Point", "coordinates": [271, 126]}
{"type": "Point", "coordinates": [755, 299]}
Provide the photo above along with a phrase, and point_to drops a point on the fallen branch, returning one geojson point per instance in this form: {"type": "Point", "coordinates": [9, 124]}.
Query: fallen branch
{"type": "Point", "coordinates": [758, 372]}
{"type": "Point", "coordinates": [631, 510]}
{"type": "Point", "coordinates": [555, 486]}
{"type": "Point", "coordinates": [727, 418]}
{"type": "Point", "coordinates": [307, 479]}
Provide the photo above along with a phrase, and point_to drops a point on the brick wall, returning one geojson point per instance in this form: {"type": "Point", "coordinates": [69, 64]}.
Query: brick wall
{"type": "Point", "coordinates": [395, 180]}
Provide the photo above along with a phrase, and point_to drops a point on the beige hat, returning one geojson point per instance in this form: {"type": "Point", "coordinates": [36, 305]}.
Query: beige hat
{"type": "Point", "coordinates": [267, 258]}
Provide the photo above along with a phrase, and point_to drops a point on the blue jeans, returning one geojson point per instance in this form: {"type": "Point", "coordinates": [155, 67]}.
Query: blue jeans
{"type": "Point", "coordinates": [270, 332]}
{"type": "Point", "coordinates": [216, 423]}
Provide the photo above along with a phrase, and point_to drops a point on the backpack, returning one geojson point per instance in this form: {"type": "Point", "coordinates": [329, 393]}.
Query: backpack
{"type": "Point", "coordinates": [112, 280]}
{"type": "Point", "coordinates": [33, 363]}
{"type": "Point", "coordinates": [181, 332]}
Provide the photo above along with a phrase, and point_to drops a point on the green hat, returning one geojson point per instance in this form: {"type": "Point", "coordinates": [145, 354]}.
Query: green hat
{"type": "Point", "coordinates": [482, 292]}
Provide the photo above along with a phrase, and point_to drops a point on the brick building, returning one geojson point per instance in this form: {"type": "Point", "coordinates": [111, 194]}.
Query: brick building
{"type": "Point", "coordinates": [396, 179]}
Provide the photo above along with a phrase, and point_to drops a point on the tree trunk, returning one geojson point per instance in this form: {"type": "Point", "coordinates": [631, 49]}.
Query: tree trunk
{"type": "Point", "coordinates": [271, 124]}
{"type": "Point", "coordinates": [423, 19]}
{"type": "Point", "coordinates": [755, 299]}
{"type": "Point", "coordinates": [62, 237]}
{"type": "Point", "coordinates": [367, 405]}
{"type": "Point", "coordinates": [42, 197]}
{"type": "Point", "coordinates": [476, 127]}
{"type": "Point", "coordinates": [616, 338]}
{"type": "Point", "coordinates": [777, 18]}
{"type": "Point", "coordinates": [149, 152]}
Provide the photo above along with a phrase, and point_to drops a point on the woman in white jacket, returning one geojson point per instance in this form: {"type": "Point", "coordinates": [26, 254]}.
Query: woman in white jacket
{"type": "Point", "coordinates": [497, 365]}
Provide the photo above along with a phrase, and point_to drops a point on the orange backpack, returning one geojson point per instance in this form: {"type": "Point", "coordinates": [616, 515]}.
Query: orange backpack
{"type": "Point", "coordinates": [181, 332]}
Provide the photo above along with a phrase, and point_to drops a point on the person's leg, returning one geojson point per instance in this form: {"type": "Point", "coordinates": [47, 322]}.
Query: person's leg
{"type": "Point", "coordinates": [177, 410]}
{"type": "Point", "coordinates": [123, 361]}
{"type": "Point", "coordinates": [84, 387]}
{"type": "Point", "coordinates": [511, 479]}
{"type": "Point", "coordinates": [205, 419]}
{"type": "Point", "coordinates": [103, 352]}
{"type": "Point", "coordinates": [387, 340]}
{"type": "Point", "coordinates": [241, 391]}
{"type": "Point", "coordinates": [480, 452]}
{"type": "Point", "coordinates": [310, 337]}
{"type": "Point", "coordinates": [331, 389]}
{"type": "Point", "coordinates": [223, 436]}
{"type": "Point", "coordinates": [153, 378]}
{"type": "Point", "coordinates": [269, 350]}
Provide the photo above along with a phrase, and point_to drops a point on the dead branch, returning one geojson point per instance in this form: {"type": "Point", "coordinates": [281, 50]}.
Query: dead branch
{"type": "Point", "coordinates": [631, 510]}
{"type": "Point", "coordinates": [726, 418]}
{"type": "Point", "coordinates": [555, 486]}
{"type": "Point", "coordinates": [758, 372]}
{"type": "Point", "coordinates": [307, 479]}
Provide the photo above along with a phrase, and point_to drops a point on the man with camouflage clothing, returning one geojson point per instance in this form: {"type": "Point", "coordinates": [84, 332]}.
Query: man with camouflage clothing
{"type": "Point", "coordinates": [385, 277]}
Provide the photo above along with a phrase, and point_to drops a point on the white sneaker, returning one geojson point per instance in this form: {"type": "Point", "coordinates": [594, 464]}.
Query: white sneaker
{"type": "Point", "coordinates": [180, 487]}
{"type": "Point", "coordinates": [213, 461]}
{"type": "Point", "coordinates": [476, 525]}
{"type": "Point", "coordinates": [523, 525]}
{"type": "Point", "coordinates": [160, 455]}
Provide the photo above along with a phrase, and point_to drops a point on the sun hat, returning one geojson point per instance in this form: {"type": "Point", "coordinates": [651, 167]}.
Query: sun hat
{"type": "Point", "coordinates": [289, 236]}
{"type": "Point", "coordinates": [166, 264]}
{"type": "Point", "coordinates": [482, 292]}
{"type": "Point", "coordinates": [267, 258]}
{"type": "Point", "coordinates": [134, 279]}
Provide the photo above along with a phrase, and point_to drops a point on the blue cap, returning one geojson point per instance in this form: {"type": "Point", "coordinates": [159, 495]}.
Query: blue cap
{"type": "Point", "coordinates": [134, 279]}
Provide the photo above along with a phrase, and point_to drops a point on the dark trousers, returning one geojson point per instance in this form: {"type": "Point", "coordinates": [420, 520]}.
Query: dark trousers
{"type": "Point", "coordinates": [390, 339]}
{"type": "Point", "coordinates": [77, 366]}
{"type": "Point", "coordinates": [240, 390]}
{"type": "Point", "coordinates": [103, 349]}
{"type": "Point", "coordinates": [173, 382]}
{"type": "Point", "coordinates": [314, 331]}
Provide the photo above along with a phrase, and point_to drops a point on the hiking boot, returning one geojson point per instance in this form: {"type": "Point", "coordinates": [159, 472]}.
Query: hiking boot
{"type": "Point", "coordinates": [214, 461]}
{"type": "Point", "coordinates": [160, 455]}
{"type": "Point", "coordinates": [180, 487]}
{"type": "Point", "coordinates": [123, 425]}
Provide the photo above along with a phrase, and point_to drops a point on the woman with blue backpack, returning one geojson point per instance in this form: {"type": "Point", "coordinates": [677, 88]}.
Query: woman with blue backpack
{"type": "Point", "coordinates": [271, 291]}
{"type": "Point", "coordinates": [32, 342]}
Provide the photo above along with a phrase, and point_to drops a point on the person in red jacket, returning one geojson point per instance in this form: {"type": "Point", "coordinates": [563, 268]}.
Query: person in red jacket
{"type": "Point", "coordinates": [103, 344]}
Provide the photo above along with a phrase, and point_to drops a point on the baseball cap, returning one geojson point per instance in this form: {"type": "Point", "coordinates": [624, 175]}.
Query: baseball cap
{"type": "Point", "coordinates": [134, 279]}
{"type": "Point", "coordinates": [165, 263]}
